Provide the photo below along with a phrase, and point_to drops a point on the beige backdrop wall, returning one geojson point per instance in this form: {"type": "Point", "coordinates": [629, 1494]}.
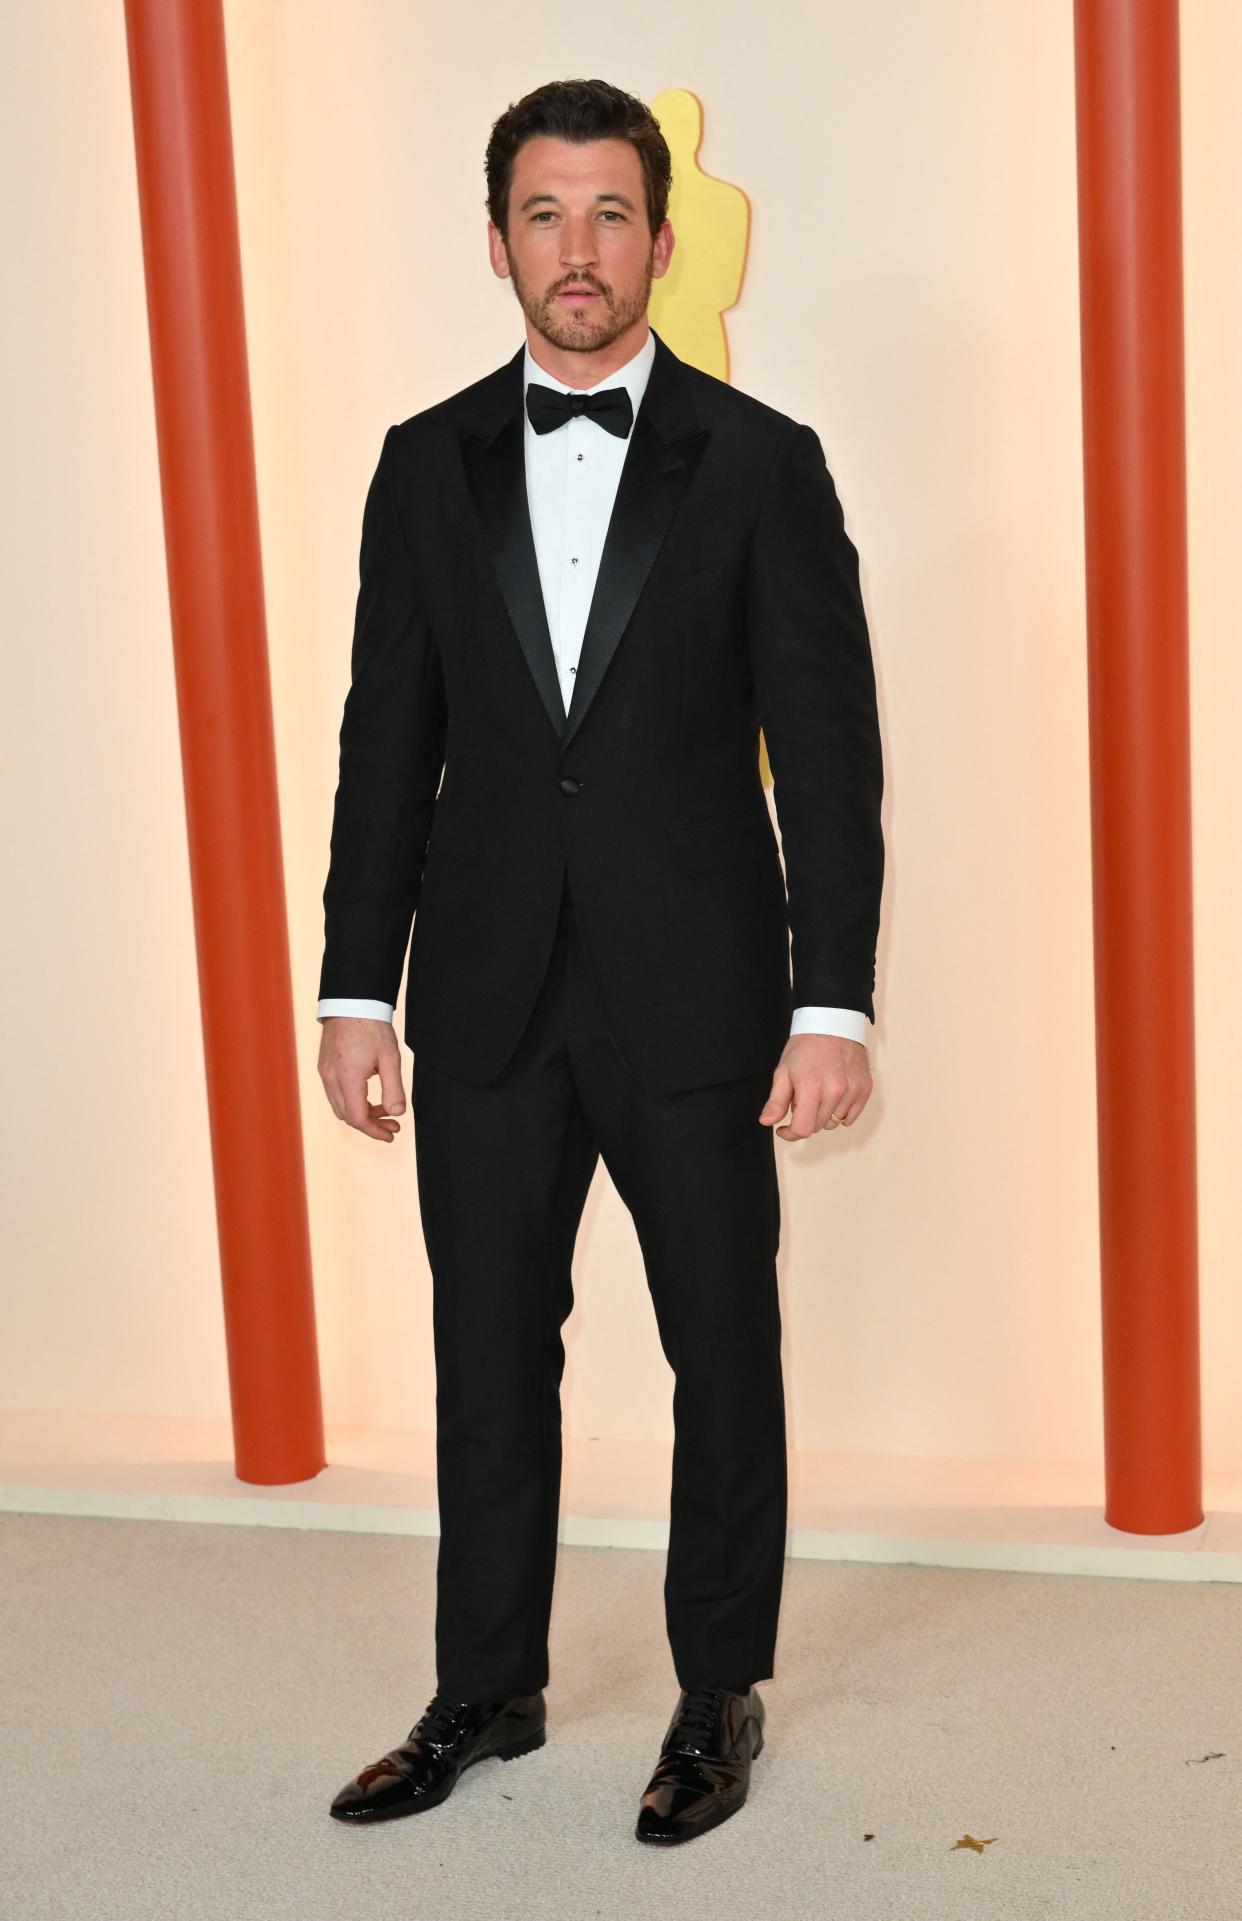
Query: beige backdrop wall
{"type": "Point", "coordinates": [911, 291]}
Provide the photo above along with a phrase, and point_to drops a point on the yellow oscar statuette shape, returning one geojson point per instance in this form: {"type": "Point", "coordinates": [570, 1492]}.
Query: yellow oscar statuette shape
{"type": "Point", "coordinates": [711, 220]}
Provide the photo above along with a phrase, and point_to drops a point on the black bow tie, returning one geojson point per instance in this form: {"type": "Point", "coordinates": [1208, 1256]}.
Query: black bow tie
{"type": "Point", "coordinates": [548, 408]}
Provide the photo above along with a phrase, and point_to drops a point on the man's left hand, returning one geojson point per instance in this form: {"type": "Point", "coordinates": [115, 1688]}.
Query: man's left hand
{"type": "Point", "coordinates": [828, 1080]}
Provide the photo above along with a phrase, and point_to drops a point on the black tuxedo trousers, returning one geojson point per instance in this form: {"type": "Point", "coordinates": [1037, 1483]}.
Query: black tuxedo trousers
{"type": "Point", "coordinates": [503, 1173]}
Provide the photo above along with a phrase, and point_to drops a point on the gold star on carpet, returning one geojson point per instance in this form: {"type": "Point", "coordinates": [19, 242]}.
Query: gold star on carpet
{"type": "Point", "coordinates": [968, 1841]}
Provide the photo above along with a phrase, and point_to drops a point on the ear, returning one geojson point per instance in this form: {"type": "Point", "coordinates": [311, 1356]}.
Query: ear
{"type": "Point", "coordinates": [497, 251]}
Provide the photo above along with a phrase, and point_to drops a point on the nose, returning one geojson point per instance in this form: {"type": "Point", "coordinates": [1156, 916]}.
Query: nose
{"type": "Point", "coordinates": [577, 241]}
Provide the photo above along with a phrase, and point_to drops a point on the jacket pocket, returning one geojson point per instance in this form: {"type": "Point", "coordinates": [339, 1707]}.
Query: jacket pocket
{"type": "Point", "coordinates": [723, 839]}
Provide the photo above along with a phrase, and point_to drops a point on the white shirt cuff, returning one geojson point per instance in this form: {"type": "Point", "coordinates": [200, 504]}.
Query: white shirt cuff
{"type": "Point", "coordinates": [849, 1022]}
{"type": "Point", "coordinates": [360, 1010]}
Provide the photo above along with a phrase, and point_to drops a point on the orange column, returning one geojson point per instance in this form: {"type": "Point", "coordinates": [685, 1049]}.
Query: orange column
{"type": "Point", "coordinates": [183, 142]}
{"type": "Point", "coordinates": [1130, 263]}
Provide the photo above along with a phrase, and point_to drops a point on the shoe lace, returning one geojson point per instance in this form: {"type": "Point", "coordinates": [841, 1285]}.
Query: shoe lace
{"type": "Point", "coordinates": [440, 1720]}
{"type": "Point", "coordinates": [696, 1719]}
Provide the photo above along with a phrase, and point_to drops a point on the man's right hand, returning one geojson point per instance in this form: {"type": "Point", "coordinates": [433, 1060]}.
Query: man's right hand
{"type": "Point", "coordinates": [351, 1050]}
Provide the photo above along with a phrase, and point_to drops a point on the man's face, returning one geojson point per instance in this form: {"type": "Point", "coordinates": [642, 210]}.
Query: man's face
{"type": "Point", "coordinates": [578, 219]}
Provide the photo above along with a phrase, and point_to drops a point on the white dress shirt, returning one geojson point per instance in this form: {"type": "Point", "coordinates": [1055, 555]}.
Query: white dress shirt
{"type": "Point", "coordinates": [571, 482]}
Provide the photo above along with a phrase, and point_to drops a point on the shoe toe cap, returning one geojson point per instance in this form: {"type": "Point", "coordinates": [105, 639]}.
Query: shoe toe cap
{"type": "Point", "coordinates": [380, 1789]}
{"type": "Point", "coordinates": [657, 1824]}
{"type": "Point", "coordinates": [687, 1794]}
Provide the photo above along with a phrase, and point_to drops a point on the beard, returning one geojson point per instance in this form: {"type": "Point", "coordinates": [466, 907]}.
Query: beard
{"type": "Point", "coordinates": [581, 330]}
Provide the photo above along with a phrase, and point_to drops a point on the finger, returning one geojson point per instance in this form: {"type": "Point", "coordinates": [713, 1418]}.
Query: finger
{"type": "Point", "coordinates": [374, 1123]}
{"type": "Point", "coordinates": [777, 1104]}
{"type": "Point", "coordinates": [382, 1126]}
{"type": "Point", "coordinates": [851, 1105]}
{"type": "Point", "coordinates": [357, 1108]}
{"type": "Point", "coordinates": [392, 1094]}
{"type": "Point", "coordinates": [332, 1089]}
{"type": "Point", "coordinates": [805, 1108]}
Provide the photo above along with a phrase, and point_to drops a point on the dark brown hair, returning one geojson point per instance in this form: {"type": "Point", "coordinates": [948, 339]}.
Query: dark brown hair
{"type": "Point", "coordinates": [578, 110]}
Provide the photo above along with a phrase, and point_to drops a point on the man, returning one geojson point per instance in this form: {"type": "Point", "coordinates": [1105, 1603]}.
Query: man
{"type": "Point", "coordinates": [586, 581]}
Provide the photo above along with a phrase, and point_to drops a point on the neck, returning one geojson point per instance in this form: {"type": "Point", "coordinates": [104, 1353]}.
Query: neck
{"type": "Point", "coordinates": [575, 369]}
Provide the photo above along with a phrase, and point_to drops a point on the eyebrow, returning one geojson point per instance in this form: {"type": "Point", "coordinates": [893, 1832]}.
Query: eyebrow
{"type": "Point", "coordinates": [534, 199]}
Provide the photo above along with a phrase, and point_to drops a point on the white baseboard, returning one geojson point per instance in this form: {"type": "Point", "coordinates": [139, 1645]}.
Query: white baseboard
{"type": "Point", "coordinates": [1023, 1516]}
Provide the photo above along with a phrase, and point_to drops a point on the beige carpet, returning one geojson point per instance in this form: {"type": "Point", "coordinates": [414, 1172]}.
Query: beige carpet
{"type": "Point", "coordinates": [181, 1701]}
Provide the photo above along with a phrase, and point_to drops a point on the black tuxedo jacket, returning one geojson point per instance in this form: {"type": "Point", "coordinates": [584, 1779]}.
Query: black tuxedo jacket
{"type": "Point", "coordinates": [727, 598]}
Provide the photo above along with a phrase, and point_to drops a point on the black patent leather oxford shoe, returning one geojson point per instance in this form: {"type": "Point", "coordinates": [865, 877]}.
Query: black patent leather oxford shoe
{"type": "Point", "coordinates": [703, 1773]}
{"type": "Point", "coordinates": [450, 1737]}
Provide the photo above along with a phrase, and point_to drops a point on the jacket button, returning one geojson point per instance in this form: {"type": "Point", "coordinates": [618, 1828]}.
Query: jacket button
{"type": "Point", "coordinates": [568, 784]}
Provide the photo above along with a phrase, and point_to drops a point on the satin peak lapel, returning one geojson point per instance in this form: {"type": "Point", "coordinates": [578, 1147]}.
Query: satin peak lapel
{"type": "Point", "coordinates": [665, 444]}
